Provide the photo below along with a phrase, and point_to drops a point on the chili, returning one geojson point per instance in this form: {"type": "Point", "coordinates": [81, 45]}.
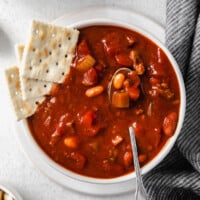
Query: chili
{"type": "Point", "coordinates": [79, 126]}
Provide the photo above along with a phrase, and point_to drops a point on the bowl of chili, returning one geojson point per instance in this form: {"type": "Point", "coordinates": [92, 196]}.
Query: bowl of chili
{"type": "Point", "coordinates": [81, 130]}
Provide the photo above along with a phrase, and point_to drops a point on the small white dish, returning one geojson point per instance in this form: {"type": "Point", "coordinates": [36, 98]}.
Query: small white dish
{"type": "Point", "coordinates": [9, 190]}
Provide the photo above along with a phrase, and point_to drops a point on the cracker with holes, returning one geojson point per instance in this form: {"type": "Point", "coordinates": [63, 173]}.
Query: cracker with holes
{"type": "Point", "coordinates": [49, 52]}
{"type": "Point", "coordinates": [31, 88]}
{"type": "Point", "coordinates": [23, 108]}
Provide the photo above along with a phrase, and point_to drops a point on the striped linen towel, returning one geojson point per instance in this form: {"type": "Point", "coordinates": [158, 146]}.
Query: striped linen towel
{"type": "Point", "coordinates": [177, 177]}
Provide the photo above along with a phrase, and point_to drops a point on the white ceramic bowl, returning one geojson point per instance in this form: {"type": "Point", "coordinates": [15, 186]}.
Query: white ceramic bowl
{"type": "Point", "coordinates": [160, 156]}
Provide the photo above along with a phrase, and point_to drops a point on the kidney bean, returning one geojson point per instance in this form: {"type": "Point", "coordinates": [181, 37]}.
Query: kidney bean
{"type": "Point", "coordinates": [94, 91]}
{"type": "Point", "coordinates": [128, 159]}
{"type": "Point", "coordinates": [118, 80]}
{"type": "Point", "coordinates": [156, 133]}
{"type": "Point", "coordinates": [169, 123]}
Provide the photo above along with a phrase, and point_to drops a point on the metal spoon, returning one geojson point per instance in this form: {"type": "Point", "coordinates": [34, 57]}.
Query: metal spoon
{"type": "Point", "coordinates": [123, 69]}
{"type": "Point", "coordinates": [139, 183]}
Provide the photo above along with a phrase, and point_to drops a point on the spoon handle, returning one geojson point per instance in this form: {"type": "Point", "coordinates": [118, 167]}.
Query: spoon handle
{"type": "Point", "coordinates": [139, 182]}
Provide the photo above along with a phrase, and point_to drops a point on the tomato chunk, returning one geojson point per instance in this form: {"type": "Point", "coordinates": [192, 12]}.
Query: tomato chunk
{"type": "Point", "coordinates": [78, 159]}
{"type": "Point", "coordinates": [90, 77]}
{"type": "Point", "coordinates": [88, 118]}
{"type": "Point", "coordinates": [123, 59]}
{"type": "Point", "coordinates": [133, 93]}
{"type": "Point", "coordinates": [65, 125]}
{"type": "Point", "coordinates": [112, 43]}
{"type": "Point", "coordinates": [89, 124]}
{"type": "Point", "coordinates": [83, 49]}
{"type": "Point", "coordinates": [65, 121]}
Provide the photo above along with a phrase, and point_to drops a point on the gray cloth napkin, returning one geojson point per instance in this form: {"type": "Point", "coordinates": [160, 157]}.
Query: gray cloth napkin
{"type": "Point", "coordinates": [177, 177]}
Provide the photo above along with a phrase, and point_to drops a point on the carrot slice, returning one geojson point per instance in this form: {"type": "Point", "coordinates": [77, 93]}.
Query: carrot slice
{"type": "Point", "coordinates": [120, 99]}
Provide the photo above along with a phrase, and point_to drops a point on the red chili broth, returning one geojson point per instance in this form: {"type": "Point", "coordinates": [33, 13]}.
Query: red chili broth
{"type": "Point", "coordinates": [102, 159]}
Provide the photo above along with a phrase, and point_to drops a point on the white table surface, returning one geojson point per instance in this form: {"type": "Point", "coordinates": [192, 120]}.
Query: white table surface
{"type": "Point", "coordinates": [15, 17]}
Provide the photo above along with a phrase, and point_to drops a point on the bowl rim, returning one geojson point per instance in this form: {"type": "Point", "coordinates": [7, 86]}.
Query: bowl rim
{"type": "Point", "coordinates": [168, 145]}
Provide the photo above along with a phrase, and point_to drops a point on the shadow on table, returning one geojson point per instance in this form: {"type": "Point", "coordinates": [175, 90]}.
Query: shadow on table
{"type": "Point", "coordinates": [5, 43]}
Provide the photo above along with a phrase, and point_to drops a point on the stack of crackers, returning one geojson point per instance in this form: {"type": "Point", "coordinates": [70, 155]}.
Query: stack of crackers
{"type": "Point", "coordinates": [44, 60]}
